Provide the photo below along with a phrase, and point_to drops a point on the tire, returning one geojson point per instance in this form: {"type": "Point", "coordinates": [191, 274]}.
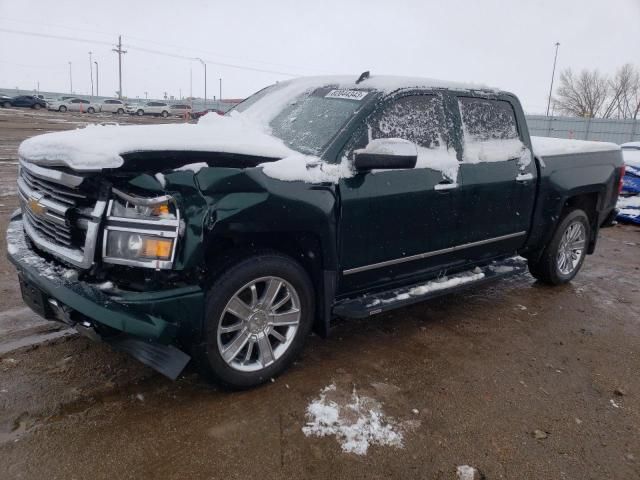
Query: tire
{"type": "Point", "coordinates": [37, 106]}
{"type": "Point", "coordinates": [165, 114]}
{"type": "Point", "coordinates": [254, 350]}
{"type": "Point", "coordinates": [120, 111]}
{"type": "Point", "coordinates": [62, 109]}
{"type": "Point", "coordinates": [6, 104]}
{"type": "Point", "coordinates": [91, 110]}
{"type": "Point", "coordinates": [559, 262]}
{"type": "Point", "coordinates": [140, 113]}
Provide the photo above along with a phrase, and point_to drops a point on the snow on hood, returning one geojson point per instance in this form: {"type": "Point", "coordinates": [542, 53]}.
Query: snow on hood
{"type": "Point", "coordinates": [101, 146]}
{"type": "Point", "coordinates": [546, 146]}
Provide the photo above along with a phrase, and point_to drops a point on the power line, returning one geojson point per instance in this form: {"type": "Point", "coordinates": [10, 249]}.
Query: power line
{"type": "Point", "coordinates": [148, 50]}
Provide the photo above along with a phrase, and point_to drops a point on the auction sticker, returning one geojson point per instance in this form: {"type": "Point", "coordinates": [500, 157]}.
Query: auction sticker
{"type": "Point", "coordinates": [347, 94]}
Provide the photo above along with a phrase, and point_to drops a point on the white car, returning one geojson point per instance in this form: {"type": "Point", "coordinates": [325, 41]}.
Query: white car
{"type": "Point", "coordinates": [113, 106]}
{"type": "Point", "coordinates": [74, 105]}
{"type": "Point", "coordinates": [150, 108]}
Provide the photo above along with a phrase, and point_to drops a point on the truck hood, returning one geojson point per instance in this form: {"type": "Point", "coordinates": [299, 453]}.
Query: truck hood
{"type": "Point", "coordinates": [98, 147]}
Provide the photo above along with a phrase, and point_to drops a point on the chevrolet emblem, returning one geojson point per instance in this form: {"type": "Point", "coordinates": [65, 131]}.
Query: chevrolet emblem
{"type": "Point", "coordinates": [36, 208]}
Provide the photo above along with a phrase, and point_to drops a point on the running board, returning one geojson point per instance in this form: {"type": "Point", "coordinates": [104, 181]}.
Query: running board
{"type": "Point", "coordinates": [372, 304]}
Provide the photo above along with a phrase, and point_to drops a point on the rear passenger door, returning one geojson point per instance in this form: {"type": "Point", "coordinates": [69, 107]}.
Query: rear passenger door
{"type": "Point", "coordinates": [497, 177]}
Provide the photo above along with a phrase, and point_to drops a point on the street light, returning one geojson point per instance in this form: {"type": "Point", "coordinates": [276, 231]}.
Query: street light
{"type": "Point", "coordinates": [553, 74]}
{"type": "Point", "coordinates": [97, 80]}
{"type": "Point", "coordinates": [205, 81]}
{"type": "Point", "coordinates": [70, 80]}
{"type": "Point", "coordinates": [91, 72]}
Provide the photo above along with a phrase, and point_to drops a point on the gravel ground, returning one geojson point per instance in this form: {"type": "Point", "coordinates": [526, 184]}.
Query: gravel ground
{"type": "Point", "coordinates": [519, 380]}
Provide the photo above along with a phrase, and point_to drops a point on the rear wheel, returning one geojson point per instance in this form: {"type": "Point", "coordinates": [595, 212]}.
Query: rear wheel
{"type": "Point", "coordinates": [37, 106]}
{"type": "Point", "coordinates": [258, 315]}
{"type": "Point", "coordinates": [120, 111]}
{"type": "Point", "coordinates": [62, 108]}
{"type": "Point", "coordinates": [140, 113]}
{"type": "Point", "coordinates": [165, 114]}
{"type": "Point", "coordinates": [6, 105]}
{"type": "Point", "coordinates": [564, 255]}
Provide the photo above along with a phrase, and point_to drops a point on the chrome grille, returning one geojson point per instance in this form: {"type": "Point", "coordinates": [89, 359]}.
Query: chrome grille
{"type": "Point", "coordinates": [55, 213]}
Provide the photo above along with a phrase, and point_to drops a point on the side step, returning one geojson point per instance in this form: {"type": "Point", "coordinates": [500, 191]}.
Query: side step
{"type": "Point", "coordinates": [372, 304]}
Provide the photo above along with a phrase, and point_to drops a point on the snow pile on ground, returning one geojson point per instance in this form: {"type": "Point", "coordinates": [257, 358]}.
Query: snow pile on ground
{"type": "Point", "coordinates": [546, 146]}
{"type": "Point", "coordinates": [356, 423]}
{"type": "Point", "coordinates": [101, 146]}
{"type": "Point", "coordinates": [629, 206]}
{"type": "Point", "coordinates": [466, 472]}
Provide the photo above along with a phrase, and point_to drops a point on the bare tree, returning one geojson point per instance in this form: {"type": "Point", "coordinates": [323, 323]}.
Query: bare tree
{"type": "Point", "coordinates": [624, 92]}
{"type": "Point", "coordinates": [584, 95]}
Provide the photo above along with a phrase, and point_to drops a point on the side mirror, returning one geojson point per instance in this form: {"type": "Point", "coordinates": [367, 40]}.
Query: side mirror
{"type": "Point", "coordinates": [386, 153]}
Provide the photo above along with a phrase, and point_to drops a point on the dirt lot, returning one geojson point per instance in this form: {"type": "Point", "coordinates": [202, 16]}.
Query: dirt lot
{"type": "Point", "coordinates": [517, 379]}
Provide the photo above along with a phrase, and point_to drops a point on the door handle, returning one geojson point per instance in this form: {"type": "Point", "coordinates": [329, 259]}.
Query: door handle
{"type": "Point", "coordinates": [524, 178]}
{"type": "Point", "coordinates": [445, 185]}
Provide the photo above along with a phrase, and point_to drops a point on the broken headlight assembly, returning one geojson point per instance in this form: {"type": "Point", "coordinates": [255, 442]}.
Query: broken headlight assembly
{"type": "Point", "coordinates": [140, 231]}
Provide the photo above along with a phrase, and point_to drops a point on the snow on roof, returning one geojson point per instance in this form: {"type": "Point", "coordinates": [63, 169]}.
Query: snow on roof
{"type": "Point", "coordinates": [102, 146]}
{"type": "Point", "coordinates": [631, 145]}
{"type": "Point", "coordinates": [546, 146]}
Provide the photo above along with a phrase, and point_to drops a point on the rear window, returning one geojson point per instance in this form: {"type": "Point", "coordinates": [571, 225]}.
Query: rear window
{"type": "Point", "coordinates": [484, 119]}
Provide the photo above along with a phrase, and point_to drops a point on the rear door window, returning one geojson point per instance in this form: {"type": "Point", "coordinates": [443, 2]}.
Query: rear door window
{"type": "Point", "coordinates": [489, 129]}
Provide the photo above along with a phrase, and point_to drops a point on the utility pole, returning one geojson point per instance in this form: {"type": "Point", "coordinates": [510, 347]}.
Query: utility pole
{"type": "Point", "coordinates": [205, 81]}
{"type": "Point", "coordinates": [120, 52]}
{"type": "Point", "coordinates": [553, 74]}
{"type": "Point", "coordinates": [97, 80]}
{"type": "Point", "coordinates": [220, 93]}
{"type": "Point", "coordinates": [91, 72]}
{"type": "Point", "coordinates": [70, 80]}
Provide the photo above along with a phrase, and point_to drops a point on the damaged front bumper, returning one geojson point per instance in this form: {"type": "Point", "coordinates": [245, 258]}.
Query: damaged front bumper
{"type": "Point", "coordinates": [143, 324]}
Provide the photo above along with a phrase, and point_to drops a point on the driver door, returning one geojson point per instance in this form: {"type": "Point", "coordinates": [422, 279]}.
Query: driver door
{"type": "Point", "coordinates": [396, 225]}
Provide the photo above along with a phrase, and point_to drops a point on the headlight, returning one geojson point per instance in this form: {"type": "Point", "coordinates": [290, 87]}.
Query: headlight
{"type": "Point", "coordinates": [141, 231]}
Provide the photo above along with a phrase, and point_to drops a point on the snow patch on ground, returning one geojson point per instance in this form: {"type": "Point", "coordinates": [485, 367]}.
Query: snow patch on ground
{"type": "Point", "coordinates": [356, 421]}
{"type": "Point", "coordinates": [466, 472]}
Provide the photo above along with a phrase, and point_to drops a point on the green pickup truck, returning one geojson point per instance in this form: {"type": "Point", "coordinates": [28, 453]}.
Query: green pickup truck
{"type": "Point", "coordinates": [227, 241]}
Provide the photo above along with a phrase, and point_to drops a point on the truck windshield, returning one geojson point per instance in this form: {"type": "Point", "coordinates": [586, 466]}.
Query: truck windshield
{"type": "Point", "coordinates": [307, 121]}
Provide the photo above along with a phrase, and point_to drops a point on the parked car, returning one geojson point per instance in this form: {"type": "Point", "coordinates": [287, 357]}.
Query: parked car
{"type": "Point", "coordinates": [202, 113]}
{"type": "Point", "coordinates": [28, 101]}
{"type": "Point", "coordinates": [181, 110]}
{"type": "Point", "coordinates": [224, 244]}
{"type": "Point", "coordinates": [74, 105]}
{"type": "Point", "coordinates": [113, 106]}
{"type": "Point", "coordinates": [150, 108]}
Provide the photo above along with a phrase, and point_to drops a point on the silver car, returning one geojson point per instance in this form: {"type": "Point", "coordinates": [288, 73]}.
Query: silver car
{"type": "Point", "coordinates": [150, 108]}
{"type": "Point", "coordinates": [113, 106]}
{"type": "Point", "coordinates": [74, 105]}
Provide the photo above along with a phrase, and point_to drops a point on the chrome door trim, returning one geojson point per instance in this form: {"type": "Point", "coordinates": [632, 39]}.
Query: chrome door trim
{"type": "Point", "coordinates": [420, 256]}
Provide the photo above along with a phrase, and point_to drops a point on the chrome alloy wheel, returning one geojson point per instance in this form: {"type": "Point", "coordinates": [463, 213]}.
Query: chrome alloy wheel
{"type": "Point", "coordinates": [571, 248]}
{"type": "Point", "coordinates": [258, 324]}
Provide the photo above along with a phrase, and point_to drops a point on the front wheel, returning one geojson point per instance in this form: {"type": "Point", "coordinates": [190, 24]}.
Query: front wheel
{"type": "Point", "coordinates": [140, 113]}
{"type": "Point", "coordinates": [120, 111]}
{"type": "Point", "coordinates": [258, 315]}
{"type": "Point", "coordinates": [165, 114]}
{"type": "Point", "coordinates": [37, 106]}
{"type": "Point", "coordinates": [62, 109]}
{"type": "Point", "coordinates": [564, 255]}
{"type": "Point", "coordinates": [91, 110]}
{"type": "Point", "coordinates": [6, 104]}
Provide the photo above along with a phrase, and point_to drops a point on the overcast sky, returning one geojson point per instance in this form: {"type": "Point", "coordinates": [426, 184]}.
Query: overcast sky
{"type": "Point", "coordinates": [508, 44]}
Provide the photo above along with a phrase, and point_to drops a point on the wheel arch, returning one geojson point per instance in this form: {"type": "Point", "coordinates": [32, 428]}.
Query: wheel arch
{"type": "Point", "coordinates": [303, 247]}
